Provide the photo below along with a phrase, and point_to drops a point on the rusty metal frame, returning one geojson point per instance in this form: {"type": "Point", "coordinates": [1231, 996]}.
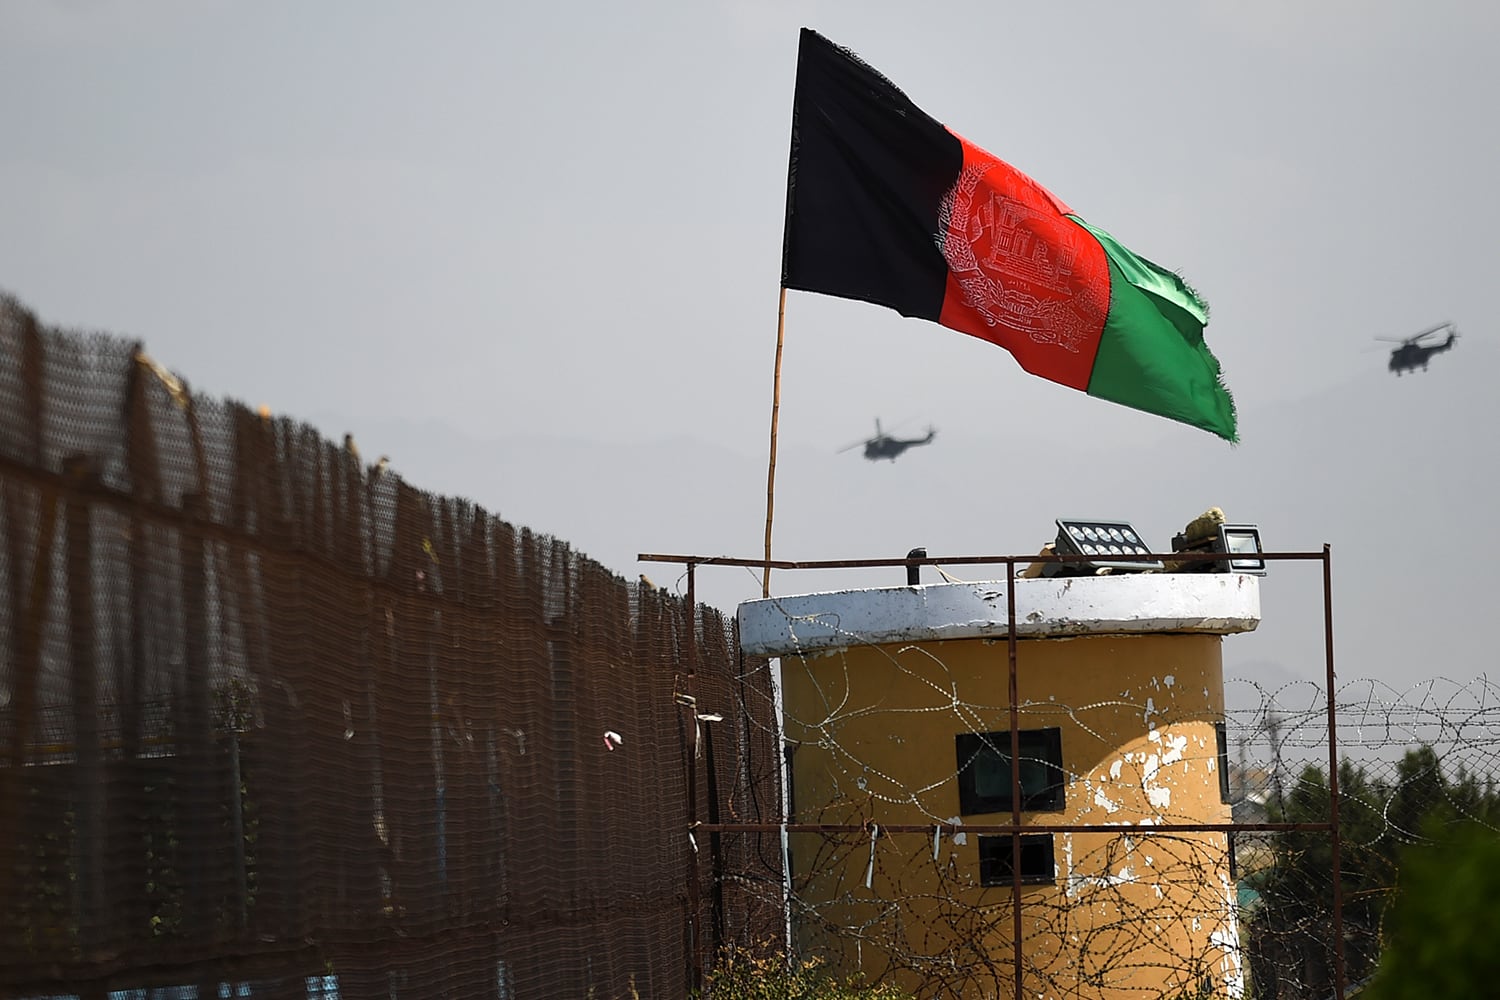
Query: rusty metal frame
{"type": "Point", "coordinates": [1015, 828]}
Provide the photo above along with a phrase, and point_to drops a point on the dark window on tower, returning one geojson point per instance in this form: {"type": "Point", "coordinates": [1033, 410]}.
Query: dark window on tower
{"type": "Point", "coordinates": [1221, 735]}
{"type": "Point", "coordinates": [788, 751]}
{"type": "Point", "coordinates": [984, 777]}
{"type": "Point", "coordinates": [1037, 862]}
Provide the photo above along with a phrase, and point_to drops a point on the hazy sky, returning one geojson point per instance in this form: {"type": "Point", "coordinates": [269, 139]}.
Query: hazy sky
{"type": "Point", "coordinates": [532, 252]}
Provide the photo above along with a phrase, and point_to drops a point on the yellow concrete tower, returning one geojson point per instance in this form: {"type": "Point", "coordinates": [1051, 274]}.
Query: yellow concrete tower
{"type": "Point", "coordinates": [897, 712]}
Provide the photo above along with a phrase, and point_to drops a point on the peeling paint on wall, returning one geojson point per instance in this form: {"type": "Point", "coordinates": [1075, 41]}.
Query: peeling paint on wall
{"type": "Point", "coordinates": [1074, 885]}
{"type": "Point", "coordinates": [1227, 937]}
{"type": "Point", "coordinates": [1172, 746]}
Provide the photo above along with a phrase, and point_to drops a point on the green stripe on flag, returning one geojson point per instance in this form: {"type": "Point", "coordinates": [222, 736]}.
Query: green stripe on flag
{"type": "Point", "coordinates": [1152, 355]}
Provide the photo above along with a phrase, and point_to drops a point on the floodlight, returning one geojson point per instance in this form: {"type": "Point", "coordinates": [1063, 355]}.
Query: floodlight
{"type": "Point", "coordinates": [1111, 545]}
{"type": "Point", "coordinates": [1241, 542]}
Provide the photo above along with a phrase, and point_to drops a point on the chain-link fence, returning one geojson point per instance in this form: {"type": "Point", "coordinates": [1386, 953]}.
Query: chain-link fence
{"type": "Point", "coordinates": [273, 722]}
{"type": "Point", "coordinates": [1416, 763]}
{"type": "Point", "coordinates": [1117, 913]}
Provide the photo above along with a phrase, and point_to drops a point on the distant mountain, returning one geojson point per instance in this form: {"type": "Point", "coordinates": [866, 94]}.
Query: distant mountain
{"type": "Point", "coordinates": [1397, 474]}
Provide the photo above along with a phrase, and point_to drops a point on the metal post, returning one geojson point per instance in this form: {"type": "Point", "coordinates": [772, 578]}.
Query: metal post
{"type": "Point", "coordinates": [914, 569]}
{"type": "Point", "coordinates": [237, 817]}
{"type": "Point", "coordinates": [1333, 780]}
{"type": "Point", "coordinates": [89, 772]}
{"type": "Point", "coordinates": [1015, 770]}
{"type": "Point", "coordinates": [690, 703]}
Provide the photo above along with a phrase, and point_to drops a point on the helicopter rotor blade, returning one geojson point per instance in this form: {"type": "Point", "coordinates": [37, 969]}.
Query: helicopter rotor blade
{"type": "Point", "coordinates": [1430, 331]}
{"type": "Point", "coordinates": [1445, 325]}
{"type": "Point", "coordinates": [880, 433]}
{"type": "Point", "coordinates": [857, 443]}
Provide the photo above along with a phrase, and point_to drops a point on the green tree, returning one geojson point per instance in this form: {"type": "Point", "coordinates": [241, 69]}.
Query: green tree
{"type": "Point", "coordinates": [1381, 825]}
{"type": "Point", "coordinates": [1419, 791]}
{"type": "Point", "coordinates": [1292, 934]}
{"type": "Point", "coordinates": [1442, 929]}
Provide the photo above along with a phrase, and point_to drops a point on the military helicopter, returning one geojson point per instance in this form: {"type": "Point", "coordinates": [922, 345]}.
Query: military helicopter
{"type": "Point", "coordinates": [1413, 354]}
{"type": "Point", "coordinates": [882, 445]}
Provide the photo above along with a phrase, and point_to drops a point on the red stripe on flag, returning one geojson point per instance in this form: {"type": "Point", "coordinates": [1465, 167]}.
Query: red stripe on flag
{"type": "Point", "coordinates": [1020, 274]}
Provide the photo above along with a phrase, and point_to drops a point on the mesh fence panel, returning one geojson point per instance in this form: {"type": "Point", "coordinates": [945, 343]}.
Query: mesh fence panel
{"type": "Point", "coordinates": [1416, 763]}
{"type": "Point", "coordinates": [275, 723]}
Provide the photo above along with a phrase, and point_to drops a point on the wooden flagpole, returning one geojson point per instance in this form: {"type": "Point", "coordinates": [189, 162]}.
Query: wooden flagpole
{"type": "Point", "coordinates": [765, 586]}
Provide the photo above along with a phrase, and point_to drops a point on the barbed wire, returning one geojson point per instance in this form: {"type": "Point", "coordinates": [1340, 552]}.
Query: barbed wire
{"type": "Point", "coordinates": [1119, 912]}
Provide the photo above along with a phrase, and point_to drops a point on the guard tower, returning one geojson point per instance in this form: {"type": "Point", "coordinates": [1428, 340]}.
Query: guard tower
{"type": "Point", "coordinates": [898, 716]}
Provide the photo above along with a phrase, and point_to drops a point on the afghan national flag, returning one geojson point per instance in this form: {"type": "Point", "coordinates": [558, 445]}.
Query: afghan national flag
{"type": "Point", "coordinates": [887, 206]}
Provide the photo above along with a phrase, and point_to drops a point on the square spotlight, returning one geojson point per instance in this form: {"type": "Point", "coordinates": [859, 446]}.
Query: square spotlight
{"type": "Point", "coordinates": [1112, 545]}
{"type": "Point", "coordinates": [1241, 542]}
